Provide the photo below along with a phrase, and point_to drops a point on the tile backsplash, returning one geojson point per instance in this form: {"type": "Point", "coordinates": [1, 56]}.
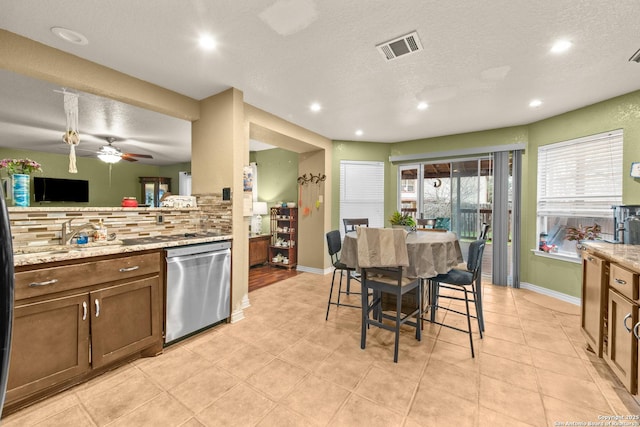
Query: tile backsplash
{"type": "Point", "coordinates": [43, 226]}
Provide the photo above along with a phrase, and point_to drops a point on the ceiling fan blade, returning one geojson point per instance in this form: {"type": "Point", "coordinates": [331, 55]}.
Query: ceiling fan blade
{"type": "Point", "coordinates": [128, 159]}
{"type": "Point", "coordinates": [143, 156]}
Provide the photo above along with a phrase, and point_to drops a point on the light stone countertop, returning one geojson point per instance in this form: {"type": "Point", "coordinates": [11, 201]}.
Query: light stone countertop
{"type": "Point", "coordinates": [625, 255]}
{"type": "Point", "coordinates": [43, 254]}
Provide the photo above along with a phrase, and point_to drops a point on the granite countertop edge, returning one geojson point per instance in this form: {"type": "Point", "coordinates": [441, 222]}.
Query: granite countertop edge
{"type": "Point", "coordinates": [625, 255]}
{"type": "Point", "coordinates": [63, 253]}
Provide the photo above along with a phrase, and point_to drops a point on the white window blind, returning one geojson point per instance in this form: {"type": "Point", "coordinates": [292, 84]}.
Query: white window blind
{"type": "Point", "coordinates": [362, 191]}
{"type": "Point", "coordinates": [581, 177]}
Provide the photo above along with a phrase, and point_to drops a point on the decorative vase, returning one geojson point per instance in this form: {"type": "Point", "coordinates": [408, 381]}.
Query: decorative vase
{"type": "Point", "coordinates": [21, 191]}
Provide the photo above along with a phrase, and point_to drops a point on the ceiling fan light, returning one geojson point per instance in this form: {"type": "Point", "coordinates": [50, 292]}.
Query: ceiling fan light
{"type": "Point", "coordinates": [109, 157]}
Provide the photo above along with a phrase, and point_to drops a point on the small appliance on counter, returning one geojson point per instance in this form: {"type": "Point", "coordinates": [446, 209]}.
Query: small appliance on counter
{"type": "Point", "coordinates": [129, 202]}
{"type": "Point", "coordinates": [626, 221]}
{"type": "Point", "coordinates": [178, 202]}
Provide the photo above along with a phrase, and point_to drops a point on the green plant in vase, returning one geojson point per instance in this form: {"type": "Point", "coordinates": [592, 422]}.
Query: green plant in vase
{"type": "Point", "coordinates": [402, 220]}
{"type": "Point", "coordinates": [19, 171]}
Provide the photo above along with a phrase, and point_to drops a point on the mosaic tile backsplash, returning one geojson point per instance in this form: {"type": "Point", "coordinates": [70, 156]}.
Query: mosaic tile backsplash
{"type": "Point", "coordinates": [43, 226]}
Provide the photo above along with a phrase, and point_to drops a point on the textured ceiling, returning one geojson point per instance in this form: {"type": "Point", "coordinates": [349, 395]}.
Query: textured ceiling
{"type": "Point", "coordinates": [482, 63]}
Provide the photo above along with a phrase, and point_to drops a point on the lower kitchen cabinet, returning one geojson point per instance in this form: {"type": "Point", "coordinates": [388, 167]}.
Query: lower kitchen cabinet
{"type": "Point", "coordinates": [622, 348]}
{"type": "Point", "coordinates": [50, 344]}
{"type": "Point", "coordinates": [70, 325]}
{"type": "Point", "coordinates": [124, 320]}
{"type": "Point", "coordinates": [595, 273]}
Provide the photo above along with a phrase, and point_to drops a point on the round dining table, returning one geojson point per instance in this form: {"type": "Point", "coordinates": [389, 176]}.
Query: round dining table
{"type": "Point", "coordinates": [430, 252]}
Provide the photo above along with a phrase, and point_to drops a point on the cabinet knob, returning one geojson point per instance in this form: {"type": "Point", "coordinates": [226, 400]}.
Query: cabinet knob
{"type": "Point", "coordinates": [635, 331]}
{"type": "Point", "coordinates": [97, 307]}
{"type": "Point", "coordinates": [620, 281]}
{"type": "Point", "coordinates": [127, 269]}
{"type": "Point", "coordinates": [84, 310]}
{"type": "Point", "coordinates": [624, 322]}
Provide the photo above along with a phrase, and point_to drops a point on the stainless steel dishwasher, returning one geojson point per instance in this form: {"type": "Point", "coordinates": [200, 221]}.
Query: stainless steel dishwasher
{"type": "Point", "coordinates": [198, 287]}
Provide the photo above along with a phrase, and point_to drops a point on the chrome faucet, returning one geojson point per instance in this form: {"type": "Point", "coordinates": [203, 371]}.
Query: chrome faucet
{"type": "Point", "coordinates": [69, 232]}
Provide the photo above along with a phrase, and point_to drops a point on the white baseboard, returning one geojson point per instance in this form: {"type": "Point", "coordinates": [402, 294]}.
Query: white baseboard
{"type": "Point", "coordinates": [314, 270]}
{"type": "Point", "coordinates": [237, 316]}
{"type": "Point", "coordinates": [245, 302]}
{"type": "Point", "coordinates": [550, 292]}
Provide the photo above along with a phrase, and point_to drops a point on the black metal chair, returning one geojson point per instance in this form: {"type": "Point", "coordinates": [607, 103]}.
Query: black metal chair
{"type": "Point", "coordinates": [484, 231]}
{"type": "Point", "coordinates": [383, 272]}
{"type": "Point", "coordinates": [350, 224]}
{"type": "Point", "coordinates": [460, 280]}
{"type": "Point", "coordinates": [334, 244]}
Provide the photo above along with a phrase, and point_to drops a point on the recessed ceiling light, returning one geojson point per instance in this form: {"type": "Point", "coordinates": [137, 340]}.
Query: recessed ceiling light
{"type": "Point", "coordinates": [423, 106]}
{"type": "Point", "coordinates": [70, 35]}
{"type": "Point", "coordinates": [535, 103]}
{"type": "Point", "coordinates": [359, 132]}
{"type": "Point", "coordinates": [561, 46]}
{"type": "Point", "coordinates": [207, 42]}
{"type": "Point", "coordinates": [315, 107]}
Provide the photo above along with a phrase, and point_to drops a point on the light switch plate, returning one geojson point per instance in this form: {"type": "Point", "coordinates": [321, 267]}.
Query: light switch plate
{"type": "Point", "coordinates": [635, 169]}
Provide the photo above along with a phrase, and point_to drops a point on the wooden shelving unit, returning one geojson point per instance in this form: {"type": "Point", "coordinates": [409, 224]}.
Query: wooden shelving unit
{"type": "Point", "coordinates": [283, 248]}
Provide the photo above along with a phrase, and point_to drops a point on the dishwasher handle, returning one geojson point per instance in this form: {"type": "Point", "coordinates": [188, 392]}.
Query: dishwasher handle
{"type": "Point", "coordinates": [175, 259]}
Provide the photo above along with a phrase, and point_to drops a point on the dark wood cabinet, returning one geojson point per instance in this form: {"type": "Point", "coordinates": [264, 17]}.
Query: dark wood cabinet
{"type": "Point", "coordinates": [74, 321]}
{"type": "Point", "coordinates": [50, 344]}
{"type": "Point", "coordinates": [153, 188]}
{"type": "Point", "coordinates": [124, 320]}
{"type": "Point", "coordinates": [259, 249]}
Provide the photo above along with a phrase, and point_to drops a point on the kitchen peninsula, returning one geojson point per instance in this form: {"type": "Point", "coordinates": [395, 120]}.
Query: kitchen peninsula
{"type": "Point", "coordinates": [81, 310]}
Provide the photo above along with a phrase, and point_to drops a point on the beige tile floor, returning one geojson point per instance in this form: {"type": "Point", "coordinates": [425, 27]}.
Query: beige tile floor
{"type": "Point", "coordinates": [284, 365]}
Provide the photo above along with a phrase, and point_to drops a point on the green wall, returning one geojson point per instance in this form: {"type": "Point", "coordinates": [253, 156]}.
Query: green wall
{"type": "Point", "coordinates": [277, 178]}
{"type": "Point", "coordinates": [105, 188]}
{"type": "Point", "coordinates": [622, 112]}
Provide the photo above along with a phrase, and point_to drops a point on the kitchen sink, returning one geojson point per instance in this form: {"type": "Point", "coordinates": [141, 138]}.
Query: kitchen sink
{"type": "Point", "coordinates": [60, 249]}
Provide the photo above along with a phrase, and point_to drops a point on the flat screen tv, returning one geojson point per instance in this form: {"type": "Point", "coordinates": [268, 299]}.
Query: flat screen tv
{"type": "Point", "coordinates": [60, 190]}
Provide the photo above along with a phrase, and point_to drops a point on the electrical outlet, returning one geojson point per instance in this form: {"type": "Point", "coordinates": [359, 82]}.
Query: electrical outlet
{"type": "Point", "coordinates": [159, 219]}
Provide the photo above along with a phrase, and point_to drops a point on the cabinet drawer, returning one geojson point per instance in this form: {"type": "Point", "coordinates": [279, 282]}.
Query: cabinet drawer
{"type": "Point", "coordinates": [44, 281]}
{"type": "Point", "coordinates": [624, 281]}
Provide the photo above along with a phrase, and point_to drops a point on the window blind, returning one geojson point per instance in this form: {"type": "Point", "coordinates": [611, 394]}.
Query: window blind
{"type": "Point", "coordinates": [362, 191]}
{"type": "Point", "coordinates": [581, 177]}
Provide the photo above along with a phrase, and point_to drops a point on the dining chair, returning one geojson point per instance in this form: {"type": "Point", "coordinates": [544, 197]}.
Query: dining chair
{"type": "Point", "coordinates": [334, 245]}
{"type": "Point", "coordinates": [443, 223]}
{"type": "Point", "coordinates": [426, 223]}
{"type": "Point", "coordinates": [350, 224]}
{"type": "Point", "coordinates": [460, 280]}
{"type": "Point", "coordinates": [484, 231]}
{"type": "Point", "coordinates": [382, 256]}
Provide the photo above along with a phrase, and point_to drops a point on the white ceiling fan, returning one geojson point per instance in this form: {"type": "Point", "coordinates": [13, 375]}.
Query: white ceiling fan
{"type": "Point", "coordinates": [110, 154]}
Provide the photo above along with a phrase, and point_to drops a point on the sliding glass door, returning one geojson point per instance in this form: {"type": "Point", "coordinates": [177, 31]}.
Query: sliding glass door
{"type": "Point", "coordinates": [459, 194]}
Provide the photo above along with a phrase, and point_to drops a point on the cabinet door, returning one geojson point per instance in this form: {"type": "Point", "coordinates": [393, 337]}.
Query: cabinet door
{"type": "Point", "coordinates": [622, 346]}
{"type": "Point", "coordinates": [50, 344]}
{"type": "Point", "coordinates": [594, 287]}
{"type": "Point", "coordinates": [258, 250]}
{"type": "Point", "coordinates": [636, 332]}
{"type": "Point", "coordinates": [124, 320]}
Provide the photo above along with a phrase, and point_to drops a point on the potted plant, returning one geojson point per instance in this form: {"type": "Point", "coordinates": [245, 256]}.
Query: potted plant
{"type": "Point", "coordinates": [400, 220]}
{"type": "Point", "coordinates": [580, 233]}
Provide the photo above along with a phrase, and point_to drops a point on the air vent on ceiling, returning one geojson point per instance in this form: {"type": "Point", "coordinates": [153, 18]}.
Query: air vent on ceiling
{"type": "Point", "coordinates": [400, 46]}
{"type": "Point", "coordinates": [635, 57]}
